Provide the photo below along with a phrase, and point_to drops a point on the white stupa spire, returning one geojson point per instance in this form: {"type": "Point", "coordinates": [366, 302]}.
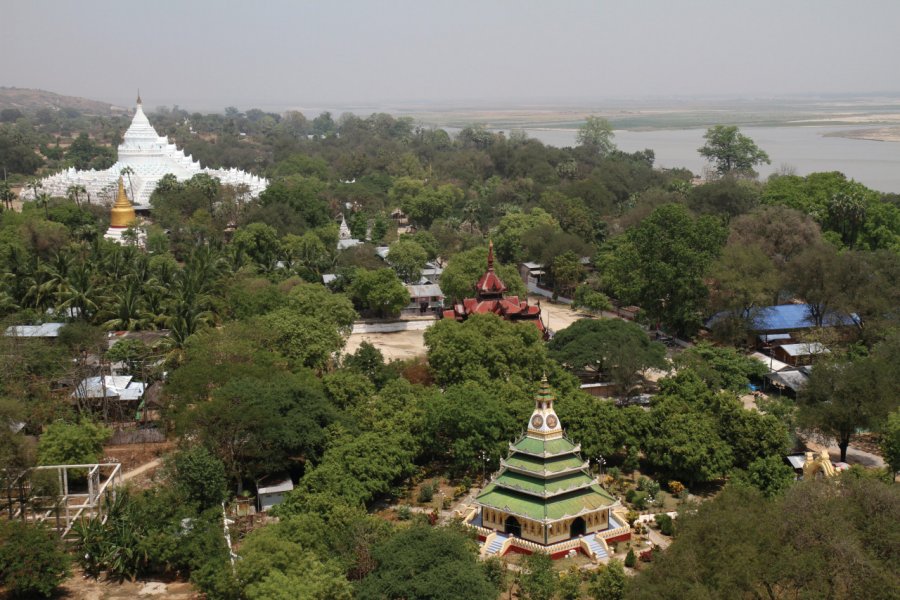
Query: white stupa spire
{"type": "Point", "coordinates": [147, 156]}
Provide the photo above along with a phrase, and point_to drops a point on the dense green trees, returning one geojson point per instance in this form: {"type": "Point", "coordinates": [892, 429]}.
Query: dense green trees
{"type": "Point", "coordinates": [407, 567]}
{"type": "Point", "coordinates": [408, 258]}
{"type": "Point", "coordinates": [260, 426]}
{"type": "Point", "coordinates": [72, 443]}
{"type": "Point", "coordinates": [845, 394]}
{"type": "Point", "coordinates": [742, 544]}
{"type": "Point", "coordinates": [720, 367]}
{"type": "Point", "coordinates": [33, 560]}
{"type": "Point", "coordinates": [485, 348]}
{"type": "Point", "coordinates": [890, 441]}
{"type": "Point", "coordinates": [613, 349]}
{"type": "Point", "coordinates": [200, 476]}
{"type": "Point", "coordinates": [470, 419]}
{"type": "Point", "coordinates": [660, 264]}
{"type": "Point", "coordinates": [379, 293]}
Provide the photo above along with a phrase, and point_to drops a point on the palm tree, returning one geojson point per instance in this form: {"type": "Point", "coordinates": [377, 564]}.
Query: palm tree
{"type": "Point", "coordinates": [74, 193]}
{"type": "Point", "coordinates": [44, 200]}
{"type": "Point", "coordinates": [6, 194]}
{"type": "Point", "coordinates": [129, 314]}
{"type": "Point", "coordinates": [80, 294]}
{"type": "Point", "coordinates": [128, 172]}
{"type": "Point", "coordinates": [34, 185]}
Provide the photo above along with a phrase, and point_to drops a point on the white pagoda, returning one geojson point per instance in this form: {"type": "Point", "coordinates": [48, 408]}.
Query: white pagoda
{"type": "Point", "coordinates": [148, 157]}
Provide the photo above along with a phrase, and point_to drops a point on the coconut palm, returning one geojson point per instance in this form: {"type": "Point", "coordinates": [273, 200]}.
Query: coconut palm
{"type": "Point", "coordinates": [43, 199]}
{"type": "Point", "coordinates": [34, 185]}
{"type": "Point", "coordinates": [80, 294]}
{"type": "Point", "coordinates": [127, 171]}
{"type": "Point", "coordinates": [128, 313]}
{"type": "Point", "coordinates": [6, 194]}
{"type": "Point", "coordinates": [74, 193]}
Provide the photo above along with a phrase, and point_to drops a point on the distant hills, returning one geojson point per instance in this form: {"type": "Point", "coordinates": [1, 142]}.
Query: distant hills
{"type": "Point", "coordinates": [30, 101]}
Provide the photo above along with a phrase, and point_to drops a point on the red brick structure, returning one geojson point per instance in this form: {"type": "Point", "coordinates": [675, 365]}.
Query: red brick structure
{"type": "Point", "coordinates": [490, 298]}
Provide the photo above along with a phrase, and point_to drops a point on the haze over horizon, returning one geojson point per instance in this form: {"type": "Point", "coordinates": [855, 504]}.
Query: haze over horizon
{"type": "Point", "coordinates": [208, 54]}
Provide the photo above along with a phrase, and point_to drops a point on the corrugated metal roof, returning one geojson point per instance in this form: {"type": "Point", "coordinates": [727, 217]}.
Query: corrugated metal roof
{"type": "Point", "coordinates": [276, 487]}
{"type": "Point", "coordinates": [35, 331]}
{"type": "Point", "coordinates": [793, 379]}
{"type": "Point", "coordinates": [788, 317]}
{"type": "Point", "coordinates": [805, 349]}
{"type": "Point", "coordinates": [772, 337]}
{"type": "Point", "coordinates": [111, 386]}
{"type": "Point", "coordinates": [422, 291]}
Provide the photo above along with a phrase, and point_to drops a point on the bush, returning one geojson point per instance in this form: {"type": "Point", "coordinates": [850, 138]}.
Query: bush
{"type": "Point", "coordinates": [33, 561]}
{"type": "Point", "coordinates": [666, 525]}
{"type": "Point", "coordinates": [676, 487]}
{"type": "Point", "coordinates": [630, 559]}
{"type": "Point", "coordinates": [639, 500]}
{"type": "Point", "coordinates": [200, 476]}
{"type": "Point", "coordinates": [72, 444]}
{"type": "Point", "coordinates": [404, 513]}
{"type": "Point", "coordinates": [426, 492]}
{"type": "Point", "coordinates": [647, 556]}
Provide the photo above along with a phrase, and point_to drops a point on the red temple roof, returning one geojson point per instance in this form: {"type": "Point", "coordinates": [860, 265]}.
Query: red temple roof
{"type": "Point", "coordinates": [489, 282]}
{"type": "Point", "coordinates": [489, 299]}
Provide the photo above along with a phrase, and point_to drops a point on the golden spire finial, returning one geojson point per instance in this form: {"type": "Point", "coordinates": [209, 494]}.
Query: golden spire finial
{"type": "Point", "coordinates": [139, 97]}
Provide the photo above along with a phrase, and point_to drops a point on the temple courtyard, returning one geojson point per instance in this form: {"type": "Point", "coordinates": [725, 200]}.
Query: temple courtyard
{"type": "Point", "coordinates": [401, 345]}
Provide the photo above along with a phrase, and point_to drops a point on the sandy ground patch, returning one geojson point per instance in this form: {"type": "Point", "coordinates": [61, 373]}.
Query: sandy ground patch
{"type": "Point", "coordinates": [558, 316]}
{"type": "Point", "coordinates": [878, 134]}
{"type": "Point", "coordinates": [79, 587]}
{"type": "Point", "coordinates": [399, 345]}
{"type": "Point", "coordinates": [402, 345]}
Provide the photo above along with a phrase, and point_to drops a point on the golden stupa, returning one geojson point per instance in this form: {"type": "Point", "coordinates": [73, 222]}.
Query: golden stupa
{"type": "Point", "coordinates": [122, 213]}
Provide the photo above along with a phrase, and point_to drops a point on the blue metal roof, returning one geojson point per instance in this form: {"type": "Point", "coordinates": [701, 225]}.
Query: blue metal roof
{"type": "Point", "coordinates": [789, 317]}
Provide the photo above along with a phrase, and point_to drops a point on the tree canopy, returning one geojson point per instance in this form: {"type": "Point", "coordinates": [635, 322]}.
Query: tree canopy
{"type": "Point", "coordinates": [731, 151]}
{"type": "Point", "coordinates": [613, 349]}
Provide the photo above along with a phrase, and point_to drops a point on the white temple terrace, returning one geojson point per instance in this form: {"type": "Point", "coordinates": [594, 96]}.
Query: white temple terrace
{"type": "Point", "coordinates": [150, 157]}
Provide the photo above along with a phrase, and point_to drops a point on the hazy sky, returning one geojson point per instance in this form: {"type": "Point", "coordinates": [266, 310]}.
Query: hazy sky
{"type": "Point", "coordinates": [207, 54]}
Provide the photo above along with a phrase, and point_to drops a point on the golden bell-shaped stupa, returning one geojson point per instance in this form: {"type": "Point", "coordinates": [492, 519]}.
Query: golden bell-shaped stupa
{"type": "Point", "coordinates": [122, 213]}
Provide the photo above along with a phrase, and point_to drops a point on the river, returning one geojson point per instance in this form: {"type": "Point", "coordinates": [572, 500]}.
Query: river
{"type": "Point", "coordinates": [805, 149]}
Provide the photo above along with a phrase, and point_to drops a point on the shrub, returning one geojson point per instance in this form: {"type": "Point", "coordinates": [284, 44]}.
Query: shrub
{"type": "Point", "coordinates": [200, 476]}
{"type": "Point", "coordinates": [639, 499]}
{"type": "Point", "coordinates": [426, 492]}
{"type": "Point", "coordinates": [666, 526]}
{"type": "Point", "coordinates": [33, 561]}
{"type": "Point", "coordinates": [615, 473]}
{"type": "Point", "coordinates": [72, 444]}
{"type": "Point", "coordinates": [404, 513]}
{"type": "Point", "coordinates": [630, 559]}
{"type": "Point", "coordinates": [647, 556]}
{"type": "Point", "coordinates": [676, 487]}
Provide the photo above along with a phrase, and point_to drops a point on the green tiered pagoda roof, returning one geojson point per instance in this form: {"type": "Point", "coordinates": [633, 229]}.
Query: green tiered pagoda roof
{"type": "Point", "coordinates": [544, 478]}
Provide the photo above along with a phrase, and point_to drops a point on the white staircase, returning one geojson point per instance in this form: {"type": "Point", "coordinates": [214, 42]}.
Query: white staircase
{"type": "Point", "coordinates": [495, 544]}
{"type": "Point", "coordinates": [596, 546]}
